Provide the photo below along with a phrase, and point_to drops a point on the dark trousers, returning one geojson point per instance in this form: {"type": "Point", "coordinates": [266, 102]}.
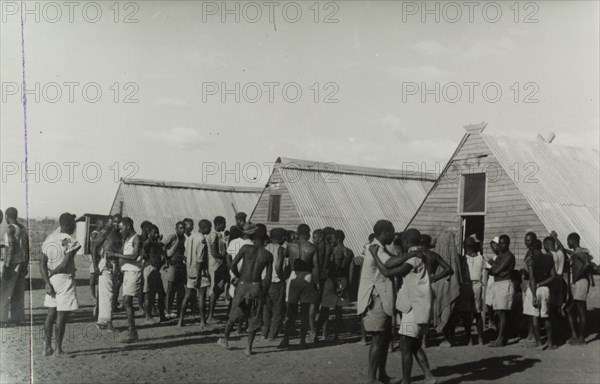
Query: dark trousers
{"type": "Point", "coordinates": [272, 310]}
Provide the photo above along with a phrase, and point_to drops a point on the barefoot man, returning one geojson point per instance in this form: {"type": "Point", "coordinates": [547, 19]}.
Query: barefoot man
{"type": "Point", "coordinates": [58, 272]}
{"type": "Point", "coordinates": [502, 290]}
{"type": "Point", "coordinates": [414, 300]}
{"type": "Point", "coordinates": [375, 302]}
{"type": "Point", "coordinates": [251, 290]}
{"type": "Point", "coordinates": [301, 286]}
{"type": "Point", "coordinates": [130, 260]}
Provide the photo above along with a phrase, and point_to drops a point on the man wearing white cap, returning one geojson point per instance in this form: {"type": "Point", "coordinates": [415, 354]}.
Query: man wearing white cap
{"type": "Point", "coordinates": [58, 272]}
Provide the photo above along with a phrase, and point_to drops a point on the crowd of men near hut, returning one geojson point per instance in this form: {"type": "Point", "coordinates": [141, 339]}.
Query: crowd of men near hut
{"type": "Point", "coordinates": [269, 279]}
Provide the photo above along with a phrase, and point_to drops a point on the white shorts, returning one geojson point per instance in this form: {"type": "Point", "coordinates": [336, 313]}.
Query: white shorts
{"type": "Point", "coordinates": [542, 294]}
{"type": "Point", "coordinates": [502, 295]}
{"type": "Point", "coordinates": [132, 281]}
{"type": "Point", "coordinates": [408, 326]}
{"type": "Point", "coordinates": [66, 297]}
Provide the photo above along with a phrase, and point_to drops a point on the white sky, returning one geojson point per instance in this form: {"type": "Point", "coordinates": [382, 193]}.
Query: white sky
{"type": "Point", "coordinates": [369, 53]}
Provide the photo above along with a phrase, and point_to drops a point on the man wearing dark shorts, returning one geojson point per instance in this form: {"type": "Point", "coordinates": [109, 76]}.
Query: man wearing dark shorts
{"type": "Point", "coordinates": [249, 296]}
{"type": "Point", "coordinates": [335, 291]}
{"type": "Point", "coordinates": [301, 286]}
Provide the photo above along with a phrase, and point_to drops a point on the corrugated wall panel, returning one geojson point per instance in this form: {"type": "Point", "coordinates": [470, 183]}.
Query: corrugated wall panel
{"type": "Point", "coordinates": [165, 206]}
{"type": "Point", "coordinates": [563, 190]}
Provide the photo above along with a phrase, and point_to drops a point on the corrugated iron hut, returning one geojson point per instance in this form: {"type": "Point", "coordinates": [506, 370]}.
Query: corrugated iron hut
{"type": "Point", "coordinates": [165, 203]}
{"type": "Point", "coordinates": [345, 197]}
{"type": "Point", "coordinates": [496, 184]}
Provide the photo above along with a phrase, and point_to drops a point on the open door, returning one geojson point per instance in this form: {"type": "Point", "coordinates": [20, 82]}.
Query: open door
{"type": "Point", "coordinates": [472, 224]}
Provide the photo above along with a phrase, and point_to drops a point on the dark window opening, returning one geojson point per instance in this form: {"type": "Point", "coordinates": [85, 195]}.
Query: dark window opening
{"type": "Point", "coordinates": [474, 192]}
{"type": "Point", "coordinates": [274, 208]}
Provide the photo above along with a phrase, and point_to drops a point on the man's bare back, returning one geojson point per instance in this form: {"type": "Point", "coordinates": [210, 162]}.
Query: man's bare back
{"type": "Point", "coordinates": [256, 259]}
{"type": "Point", "coordinates": [302, 255]}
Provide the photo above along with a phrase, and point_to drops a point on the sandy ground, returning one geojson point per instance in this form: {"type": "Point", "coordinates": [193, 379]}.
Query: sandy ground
{"type": "Point", "coordinates": [170, 354]}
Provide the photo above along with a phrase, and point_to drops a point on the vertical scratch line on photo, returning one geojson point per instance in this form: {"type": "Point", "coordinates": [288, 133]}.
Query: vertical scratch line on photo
{"type": "Point", "coordinates": [26, 185]}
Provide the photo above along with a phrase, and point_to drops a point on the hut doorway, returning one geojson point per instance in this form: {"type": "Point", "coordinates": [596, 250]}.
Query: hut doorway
{"type": "Point", "coordinates": [472, 225]}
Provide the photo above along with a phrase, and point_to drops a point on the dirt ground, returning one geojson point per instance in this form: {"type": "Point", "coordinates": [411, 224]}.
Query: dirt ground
{"type": "Point", "coordinates": [167, 353]}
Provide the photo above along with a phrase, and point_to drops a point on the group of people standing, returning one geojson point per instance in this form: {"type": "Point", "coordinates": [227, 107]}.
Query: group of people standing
{"type": "Point", "coordinates": [268, 279]}
{"type": "Point", "coordinates": [265, 278]}
{"type": "Point", "coordinates": [399, 272]}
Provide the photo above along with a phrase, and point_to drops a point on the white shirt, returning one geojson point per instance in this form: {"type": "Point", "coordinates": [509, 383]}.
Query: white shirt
{"type": "Point", "coordinates": [371, 278]}
{"type": "Point", "coordinates": [128, 249]}
{"type": "Point", "coordinates": [273, 248]}
{"type": "Point", "coordinates": [475, 264]}
{"type": "Point", "coordinates": [234, 248]}
{"type": "Point", "coordinates": [56, 246]}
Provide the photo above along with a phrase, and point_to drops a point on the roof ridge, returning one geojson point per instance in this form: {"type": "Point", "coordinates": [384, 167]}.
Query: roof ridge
{"type": "Point", "coordinates": [186, 185]}
{"type": "Point", "coordinates": [333, 167]}
{"type": "Point", "coordinates": [535, 141]}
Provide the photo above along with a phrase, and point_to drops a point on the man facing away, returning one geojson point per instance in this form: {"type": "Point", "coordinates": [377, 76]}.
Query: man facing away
{"type": "Point", "coordinates": [335, 292]}
{"type": "Point", "coordinates": [301, 286]}
{"type": "Point", "coordinates": [57, 268]}
{"type": "Point", "coordinates": [249, 296]}
{"type": "Point", "coordinates": [14, 269]}
{"type": "Point", "coordinates": [276, 294]}
{"type": "Point", "coordinates": [502, 290]}
{"type": "Point", "coordinates": [130, 260]}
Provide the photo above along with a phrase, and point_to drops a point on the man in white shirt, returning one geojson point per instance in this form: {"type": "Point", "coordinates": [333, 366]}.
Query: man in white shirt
{"type": "Point", "coordinates": [376, 301]}
{"type": "Point", "coordinates": [239, 240]}
{"type": "Point", "coordinates": [276, 295]}
{"type": "Point", "coordinates": [57, 268]}
{"type": "Point", "coordinates": [414, 301]}
{"type": "Point", "coordinates": [196, 268]}
{"type": "Point", "coordinates": [130, 260]}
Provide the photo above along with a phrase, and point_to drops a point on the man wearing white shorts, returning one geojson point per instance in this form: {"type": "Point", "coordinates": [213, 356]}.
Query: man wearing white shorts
{"type": "Point", "coordinates": [131, 267]}
{"type": "Point", "coordinates": [58, 271]}
{"type": "Point", "coordinates": [503, 266]}
{"type": "Point", "coordinates": [541, 271]}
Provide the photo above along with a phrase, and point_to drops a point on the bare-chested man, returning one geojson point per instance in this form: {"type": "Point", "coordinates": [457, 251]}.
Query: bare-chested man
{"type": "Point", "coordinates": [301, 286]}
{"type": "Point", "coordinates": [250, 293]}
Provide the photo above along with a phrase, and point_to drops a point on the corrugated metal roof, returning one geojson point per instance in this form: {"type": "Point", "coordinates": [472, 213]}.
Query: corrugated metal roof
{"type": "Point", "coordinates": [352, 201]}
{"type": "Point", "coordinates": [562, 186]}
{"type": "Point", "coordinates": [335, 168]}
{"type": "Point", "coordinates": [166, 203]}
